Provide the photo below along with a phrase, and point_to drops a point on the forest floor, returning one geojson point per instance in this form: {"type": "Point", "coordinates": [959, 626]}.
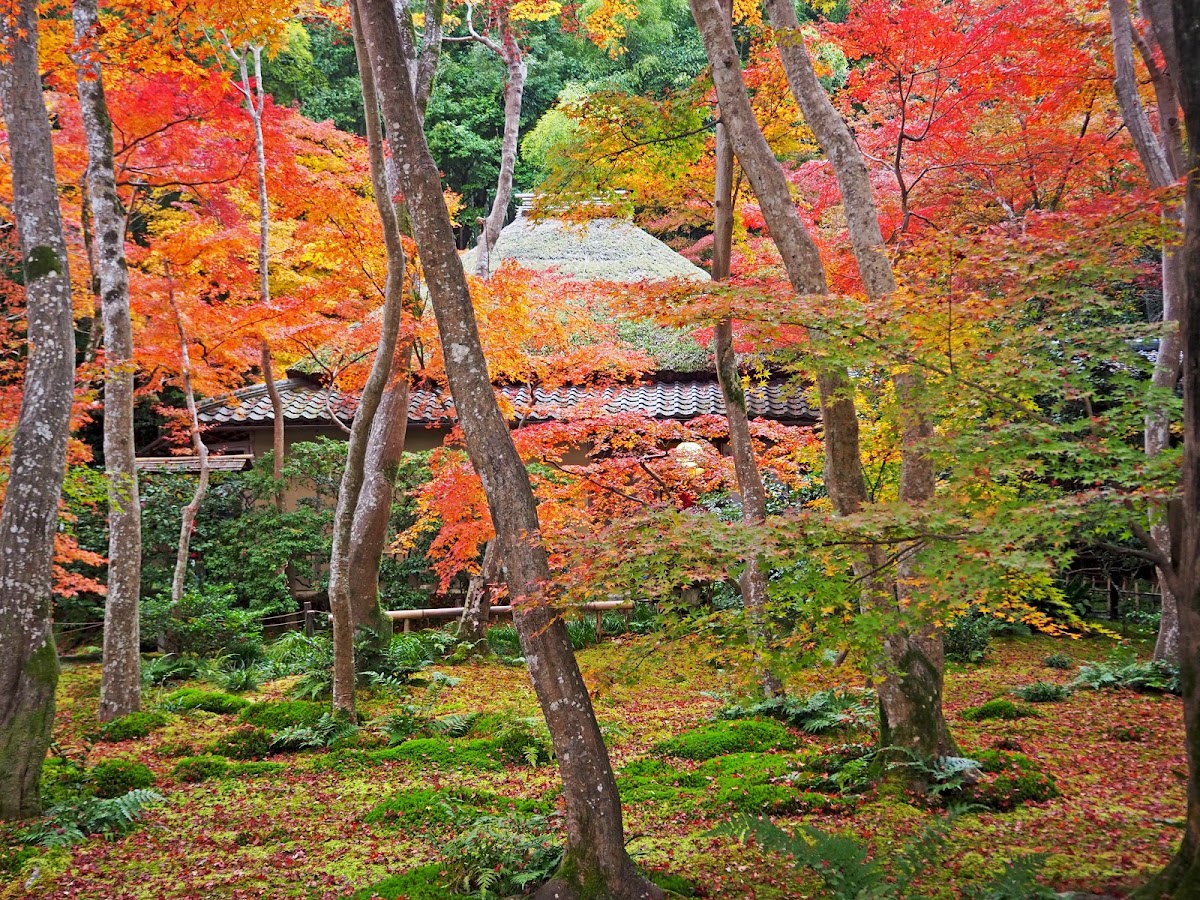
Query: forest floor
{"type": "Point", "coordinates": [304, 828]}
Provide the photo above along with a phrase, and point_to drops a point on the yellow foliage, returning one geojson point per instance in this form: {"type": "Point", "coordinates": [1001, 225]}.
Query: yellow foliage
{"type": "Point", "coordinates": [606, 24]}
{"type": "Point", "coordinates": [535, 10]}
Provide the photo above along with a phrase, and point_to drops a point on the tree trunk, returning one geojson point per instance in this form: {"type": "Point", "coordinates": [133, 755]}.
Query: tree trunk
{"type": "Point", "coordinates": [1157, 152]}
{"type": "Point", "coordinates": [120, 685]}
{"type": "Point", "coordinates": [193, 508]}
{"type": "Point", "coordinates": [911, 680]}
{"type": "Point", "coordinates": [277, 422]}
{"type": "Point", "coordinates": [514, 92]}
{"type": "Point", "coordinates": [595, 857]}
{"type": "Point", "coordinates": [753, 581]}
{"type": "Point", "coordinates": [477, 608]}
{"type": "Point", "coordinates": [1181, 879]}
{"type": "Point", "coordinates": [28, 662]}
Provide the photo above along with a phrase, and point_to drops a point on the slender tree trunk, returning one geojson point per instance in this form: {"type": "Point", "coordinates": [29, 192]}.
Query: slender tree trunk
{"type": "Point", "coordinates": [1181, 879]}
{"type": "Point", "coordinates": [477, 608]}
{"type": "Point", "coordinates": [28, 661]}
{"type": "Point", "coordinates": [190, 511]}
{"type": "Point", "coordinates": [753, 581]}
{"type": "Point", "coordinates": [1160, 155]}
{"type": "Point", "coordinates": [514, 92]}
{"type": "Point", "coordinates": [95, 329]}
{"type": "Point", "coordinates": [363, 430]}
{"type": "Point", "coordinates": [120, 685]}
{"type": "Point", "coordinates": [595, 858]}
{"type": "Point", "coordinates": [277, 421]}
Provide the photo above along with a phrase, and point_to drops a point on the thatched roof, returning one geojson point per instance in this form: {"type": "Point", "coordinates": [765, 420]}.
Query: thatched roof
{"type": "Point", "coordinates": [595, 250]}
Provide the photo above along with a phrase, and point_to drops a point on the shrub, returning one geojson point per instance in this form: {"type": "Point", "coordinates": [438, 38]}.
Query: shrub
{"type": "Point", "coordinates": [200, 768]}
{"type": "Point", "coordinates": [62, 779]}
{"type": "Point", "coordinates": [968, 638]}
{"type": "Point", "coordinates": [1043, 692]}
{"type": "Point", "coordinates": [209, 701]}
{"type": "Point", "coordinates": [997, 709]}
{"type": "Point", "coordinates": [246, 742]}
{"type": "Point", "coordinates": [722, 738]}
{"type": "Point", "coordinates": [1128, 734]}
{"type": "Point", "coordinates": [1008, 780]}
{"type": "Point", "coordinates": [503, 855]}
{"type": "Point", "coordinates": [504, 642]}
{"type": "Point", "coordinates": [276, 715]}
{"type": "Point", "coordinates": [523, 741]}
{"type": "Point", "coordinates": [324, 732]}
{"type": "Point", "coordinates": [115, 777]}
{"type": "Point", "coordinates": [1057, 661]}
{"type": "Point", "coordinates": [207, 622]}
{"type": "Point", "coordinates": [582, 632]}
{"type": "Point", "coordinates": [426, 808]}
{"type": "Point", "coordinates": [818, 713]}
{"type": "Point", "coordinates": [132, 726]}
{"type": "Point", "coordinates": [239, 678]}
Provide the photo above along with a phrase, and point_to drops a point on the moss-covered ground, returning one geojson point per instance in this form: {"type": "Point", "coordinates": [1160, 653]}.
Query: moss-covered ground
{"type": "Point", "coordinates": [332, 823]}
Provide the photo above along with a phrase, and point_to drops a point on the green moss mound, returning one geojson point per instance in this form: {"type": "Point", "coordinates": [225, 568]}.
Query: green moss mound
{"type": "Point", "coordinates": [193, 769]}
{"type": "Point", "coordinates": [209, 701]}
{"type": "Point", "coordinates": [445, 753]}
{"type": "Point", "coordinates": [422, 809]}
{"type": "Point", "coordinates": [425, 883]}
{"type": "Point", "coordinates": [1009, 779]}
{"type": "Point", "coordinates": [115, 777]}
{"type": "Point", "coordinates": [276, 715]}
{"type": "Point", "coordinates": [723, 738]}
{"type": "Point", "coordinates": [998, 709]}
{"type": "Point", "coordinates": [131, 727]}
{"type": "Point", "coordinates": [246, 742]}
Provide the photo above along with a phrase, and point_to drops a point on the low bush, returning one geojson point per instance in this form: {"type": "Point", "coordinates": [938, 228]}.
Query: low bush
{"type": "Point", "coordinates": [171, 667]}
{"type": "Point", "coordinates": [328, 730]}
{"type": "Point", "coordinates": [722, 738]}
{"type": "Point", "coordinates": [115, 777]}
{"type": "Point", "coordinates": [276, 715]}
{"type": "Point", "coordinates": [504, 642]}
{"type": "Point", "coordinates": [997, 709]}
{"type": "Point", "coordinates": [1058, 661]}
{"type": "Point", "coordinates": [1043, 692]}
{"type": "Point", "coordinates": [521, 741]}
{"type": "Point", "coordinates": [1008, 780]}
{"type": "Point", "coordinates": [244, 742]}
{"type": "Point", "coordinates": [132, 726]}
{"type": "Point", "coordinates": [422, 809]}
{"type": "Point", "coordinates": [208, 622]}
{"type": "Point", "coordinates": [209, 701]}
{"type": "Point", "coordinates": [818, 713]}
{"type": "Point", "coordinates": [968, 638]}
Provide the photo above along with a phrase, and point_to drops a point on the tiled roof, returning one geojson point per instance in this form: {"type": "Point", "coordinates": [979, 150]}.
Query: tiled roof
{"type": "Point", "coordinates": [305, 403]}
{"type": "Point", "coordinates": [230, 463]}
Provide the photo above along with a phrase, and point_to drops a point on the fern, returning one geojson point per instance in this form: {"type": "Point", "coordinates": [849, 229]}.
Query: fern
{"type": "Point", "coordinates": [69, 823]}
{"type": "Point", "coordinates": [325, 731]}
{"type": "Point", "coordinates": [455, 725]}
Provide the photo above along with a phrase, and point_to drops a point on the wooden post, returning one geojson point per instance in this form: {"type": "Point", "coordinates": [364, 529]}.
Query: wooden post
{"type": "Point", "coordinates": [310, 620]}
{"type": "Point", "coordinates": [599, 624]}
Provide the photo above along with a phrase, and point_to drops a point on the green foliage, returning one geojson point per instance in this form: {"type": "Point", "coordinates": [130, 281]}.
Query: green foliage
{"type": "Point", "coordinates": [520, 741]}
{"type": "Point", "coordinates": [238, 677]}
{"type": "Point", "coordinates": [132, 726]}
{"type": "Point", "coordinates": [968, 638]}
{"type": "Point", "coordinates": [244, 742]}
{"type": "Point", "coordinates": [70, 822]}
{"type": "Point", "coordinates": [209, 701]}
{"type": "Point", "coordinates": [997, 708]}
{"type": "Point", "coordinates": [1123, 670]}
{"type": "Point", "coordinates": [721, 738]}
{"type": "Point", "coordinates": [582, 632]}
{"type": "Point", "coordinates": [448, 754]}
{"type": "Point", "coordinates": [62, 780]}
{"type": "Point", "coordinates": [276, 715]}
{"type": "Point", "coordinates": [1007, 780]}
{"type": "Point", "coordinates": [327, 730]}
{"type": "Point", "coordinates": [498, 856]}
{"type": "Point", "coordinates": [206, 622]}
{"type": "Point", "coordinates": [171, 667]}
{"type": "Point", "coordinates": [114, 777]}
{"type": "Point", "coordinates": [1058, 661]}
{"type": "Point", "coordinates": [850, 869]}
{"type": "Point", "coordinates": [1043, 692]}
{"type": "Point", "coordinates": [818, 713]}
{"type": "Point", "coordinates": [504, 642]}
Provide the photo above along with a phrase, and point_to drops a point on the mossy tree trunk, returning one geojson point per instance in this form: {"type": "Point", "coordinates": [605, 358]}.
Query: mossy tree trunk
{"type": "Point", "coordinates": [596, 863]}
{"type": "Point", "coordinates": [28, 661]}
{"type": "Point", "coordinates": [120, 682]}
{"type": "Point", "coordinates": [477, 607]}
